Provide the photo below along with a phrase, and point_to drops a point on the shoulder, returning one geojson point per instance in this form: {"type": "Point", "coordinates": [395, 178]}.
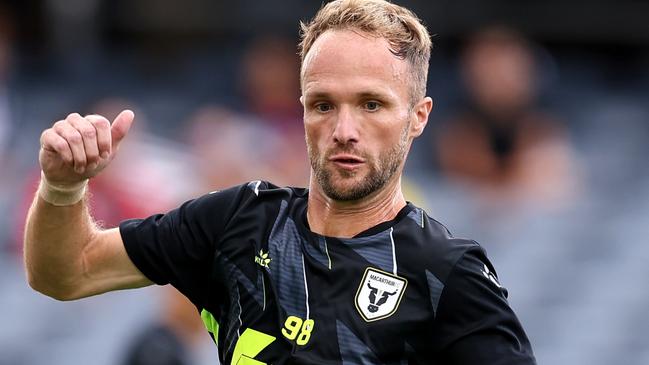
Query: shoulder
{"type": "Point", "coordinates": [259, 194]}
{"type": "Point", "coordinates": [430, 245]}
{"type": "Point", "coordinates": [216, 210]}
{"type": "Point", "coordinates": [266, 189]}
{"type": "Point", "coordinates": [257, 199]}
{"type": "Point", "coordinates": [251, 192]}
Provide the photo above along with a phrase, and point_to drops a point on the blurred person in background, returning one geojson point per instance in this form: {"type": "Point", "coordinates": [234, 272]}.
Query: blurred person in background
{"type": "Point", "coordinates": [6, 52]}
{"type": "Point", "coordinates": [270, 268]}
{"type": "Point", "coordinates": [270, 81]}
{"type": "Point", "coordinates": [216, 136]}
{"type": "Point", "coordinates": [500, 144]}
{"type": "Point", "coordinates": [219, 138]}
{"type": "Point", "coordinates": [269, 78]}
{"type": "Point", "coordinates": [172, 339]}
{"type": "Point", "coordinates": [7, 160]}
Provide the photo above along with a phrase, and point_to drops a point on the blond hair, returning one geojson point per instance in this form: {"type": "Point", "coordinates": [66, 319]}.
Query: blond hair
{"type": "Point", "coordinates": [407, 36]}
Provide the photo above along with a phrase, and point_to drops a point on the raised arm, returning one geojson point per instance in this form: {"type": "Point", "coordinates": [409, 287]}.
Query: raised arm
{"type": "Point", "coordinates": [66, 255]}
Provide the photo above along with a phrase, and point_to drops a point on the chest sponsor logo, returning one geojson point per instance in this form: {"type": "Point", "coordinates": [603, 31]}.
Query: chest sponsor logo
{"type": "Point", "coordinates": [262, 259]}
{"type": "Point", "coordinates": [379, 294]}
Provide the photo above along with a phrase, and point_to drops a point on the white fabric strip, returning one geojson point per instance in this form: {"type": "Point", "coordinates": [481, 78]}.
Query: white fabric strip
{"type": "Point", "coordinates": [394, 256]}
{"type": "Point", "coordinates": [306, 289]}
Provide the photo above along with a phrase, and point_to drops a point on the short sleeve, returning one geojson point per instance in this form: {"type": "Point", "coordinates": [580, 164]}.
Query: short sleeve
{"type": "Point", "coordinates": [178, 247]}
{"type": "Point", "coordinates": [476, 324]}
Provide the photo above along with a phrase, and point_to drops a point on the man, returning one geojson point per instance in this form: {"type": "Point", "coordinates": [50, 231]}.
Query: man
{"type": "Point", "coordinates": [346, 272]}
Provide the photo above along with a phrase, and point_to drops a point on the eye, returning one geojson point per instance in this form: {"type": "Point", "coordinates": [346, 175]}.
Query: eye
{"type": "Point", "coordinates": [323, 107]}
{"type": "Point", "coordinates": [372, 106]}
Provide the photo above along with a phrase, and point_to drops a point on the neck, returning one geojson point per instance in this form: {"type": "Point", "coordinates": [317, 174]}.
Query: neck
{"type": "Point", "coordinates": [346, 219]}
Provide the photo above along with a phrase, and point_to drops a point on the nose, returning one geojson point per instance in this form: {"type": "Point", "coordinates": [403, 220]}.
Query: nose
{"type": "Point", "coordinates": [346, 127]}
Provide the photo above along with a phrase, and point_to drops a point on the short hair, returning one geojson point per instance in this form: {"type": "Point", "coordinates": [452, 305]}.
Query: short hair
{"type": "Point", "coordinates": [407, 36]}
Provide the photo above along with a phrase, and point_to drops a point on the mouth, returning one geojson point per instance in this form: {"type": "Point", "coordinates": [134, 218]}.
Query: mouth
{"type": "Point", "coordinates": [347, 162]}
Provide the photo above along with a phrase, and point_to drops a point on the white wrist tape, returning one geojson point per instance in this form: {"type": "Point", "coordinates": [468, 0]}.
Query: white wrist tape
{"type": "Point", "coordinates": [61, 195]}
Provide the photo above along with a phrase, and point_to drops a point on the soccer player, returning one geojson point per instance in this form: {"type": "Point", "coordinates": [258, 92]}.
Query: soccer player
{"type": "Point", "coordinates": [344, 272]}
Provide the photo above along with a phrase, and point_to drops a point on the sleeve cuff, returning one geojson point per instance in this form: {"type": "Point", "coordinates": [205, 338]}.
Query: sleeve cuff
{"type": "Point", "coordinates": [137, 251]}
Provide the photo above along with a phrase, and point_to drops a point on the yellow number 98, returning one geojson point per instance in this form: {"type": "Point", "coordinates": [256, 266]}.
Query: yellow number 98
{"type": "Point", "coordinates": [295, 327]}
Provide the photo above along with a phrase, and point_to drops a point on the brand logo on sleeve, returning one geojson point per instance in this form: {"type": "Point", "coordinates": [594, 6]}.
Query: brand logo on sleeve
{"type": "Point", "coordinates": [379, 294]}
{"type": "Point", "coordinates": [489, 275]}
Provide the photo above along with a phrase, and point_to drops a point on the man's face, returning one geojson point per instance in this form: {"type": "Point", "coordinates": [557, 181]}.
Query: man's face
{"type": "Point", "coordinates": [358, 116]}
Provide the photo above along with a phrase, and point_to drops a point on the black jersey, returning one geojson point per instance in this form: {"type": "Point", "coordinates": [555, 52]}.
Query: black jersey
{"type": "Point", "coordinates": [270, 291]}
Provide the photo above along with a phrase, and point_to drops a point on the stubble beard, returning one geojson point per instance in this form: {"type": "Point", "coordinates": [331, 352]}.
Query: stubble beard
{"type": "Point", "coordinates": [380, 172]}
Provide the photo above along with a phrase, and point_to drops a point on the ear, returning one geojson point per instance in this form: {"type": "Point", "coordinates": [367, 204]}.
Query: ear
{"type": "Point", "coordinates": [421, 111]}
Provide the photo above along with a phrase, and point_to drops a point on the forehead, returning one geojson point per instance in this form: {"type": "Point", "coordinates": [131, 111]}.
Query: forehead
{"type": "Point", "coordinates": [345, 58]}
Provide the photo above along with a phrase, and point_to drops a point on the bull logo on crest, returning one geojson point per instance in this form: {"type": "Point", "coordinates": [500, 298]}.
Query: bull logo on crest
{"type": "Point", "coordinates": [379, 294]}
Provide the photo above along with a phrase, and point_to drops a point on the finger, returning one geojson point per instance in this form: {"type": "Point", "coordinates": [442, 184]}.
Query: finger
{"type": "Point", "coordinates": [74, 140]}
{"type": "Point", "coordinates": [52, 142]}
{"type": "Point", "coordinates": [120, 127]}
{"type": "Point", "coordinates": [89, 137]}
{"type": "Point", "coordinates": [102, 126]}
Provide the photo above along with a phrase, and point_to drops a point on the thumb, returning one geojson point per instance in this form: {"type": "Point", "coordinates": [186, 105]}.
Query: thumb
{"type": "Point", "coordinates": [120, 127]}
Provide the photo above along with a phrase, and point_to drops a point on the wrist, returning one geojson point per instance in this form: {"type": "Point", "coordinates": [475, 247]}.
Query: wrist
{"type": "Point", "coordinates": [61, 194]}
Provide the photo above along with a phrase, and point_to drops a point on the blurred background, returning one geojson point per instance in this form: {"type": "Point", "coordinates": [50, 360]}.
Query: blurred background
{"type": "Point", "coordinates": [536, 147]}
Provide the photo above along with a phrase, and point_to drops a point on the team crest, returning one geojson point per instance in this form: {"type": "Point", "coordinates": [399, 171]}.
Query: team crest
{"type": "Point", "coordinates": [379, 294]}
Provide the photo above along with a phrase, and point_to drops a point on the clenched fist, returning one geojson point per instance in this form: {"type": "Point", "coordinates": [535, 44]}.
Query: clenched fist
{"type": "Point", "coordinates": [78, 148]}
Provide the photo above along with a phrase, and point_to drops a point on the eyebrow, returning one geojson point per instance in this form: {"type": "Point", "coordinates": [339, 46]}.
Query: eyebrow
{"type": "Point", "coordinates": [361, 95]}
